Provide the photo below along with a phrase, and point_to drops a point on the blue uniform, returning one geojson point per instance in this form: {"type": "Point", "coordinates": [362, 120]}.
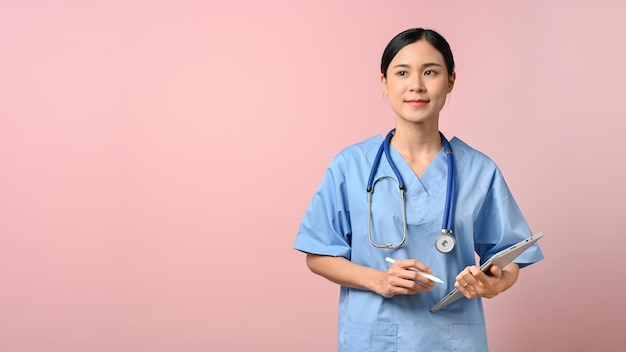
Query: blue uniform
{"type": "Point", "coordinates": [487, 219]}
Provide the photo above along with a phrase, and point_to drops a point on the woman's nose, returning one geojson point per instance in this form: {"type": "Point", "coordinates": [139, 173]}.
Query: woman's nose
{"type": "Point", "coordinates": [416, 84]}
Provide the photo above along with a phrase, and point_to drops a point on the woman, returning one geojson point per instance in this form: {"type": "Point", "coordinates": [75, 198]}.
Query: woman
{"type": "Point", "coordinates": [346, 239]}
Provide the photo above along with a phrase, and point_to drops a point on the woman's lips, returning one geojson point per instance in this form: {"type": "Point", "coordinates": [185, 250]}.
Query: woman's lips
{"type": "Point", "coordinates": [416, 102]}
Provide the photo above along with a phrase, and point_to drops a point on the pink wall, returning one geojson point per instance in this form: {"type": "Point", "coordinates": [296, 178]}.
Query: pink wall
{"type": "Point", "coordinates": [157, 157]}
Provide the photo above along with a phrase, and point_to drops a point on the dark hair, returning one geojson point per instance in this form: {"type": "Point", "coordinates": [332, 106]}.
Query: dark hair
{"type": "Point", "coordinates": [411, 36]}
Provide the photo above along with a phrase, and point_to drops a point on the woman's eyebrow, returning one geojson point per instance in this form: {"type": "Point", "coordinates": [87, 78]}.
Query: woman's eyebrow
{"type": "Point", "coordinates": [429, 64]}
{"type": "Point", "coordinates": [425, 65]}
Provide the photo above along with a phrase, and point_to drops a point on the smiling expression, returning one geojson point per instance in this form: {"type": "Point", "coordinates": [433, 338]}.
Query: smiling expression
{"type": "Point", "coordinates": [417, 83]}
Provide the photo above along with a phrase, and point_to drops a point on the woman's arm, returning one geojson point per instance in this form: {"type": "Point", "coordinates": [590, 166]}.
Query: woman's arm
{"type": "Point", "coordinates": [398, 280]}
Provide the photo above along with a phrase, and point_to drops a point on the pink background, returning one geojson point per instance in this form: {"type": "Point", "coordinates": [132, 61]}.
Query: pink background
{"type": "Point", "coordinates": [157, 158]}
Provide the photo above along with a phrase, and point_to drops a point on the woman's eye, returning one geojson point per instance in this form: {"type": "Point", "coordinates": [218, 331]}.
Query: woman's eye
{"type": "Point", "coordinates": [402, 73]}
{"type": "Point", "coordinates": [429, 73]}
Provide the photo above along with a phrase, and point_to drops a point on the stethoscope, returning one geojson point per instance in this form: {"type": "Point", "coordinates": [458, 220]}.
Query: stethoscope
{"type": "Point", "coordinates": [444, 242]}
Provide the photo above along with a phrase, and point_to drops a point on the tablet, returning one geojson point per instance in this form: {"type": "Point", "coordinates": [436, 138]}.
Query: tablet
{"type": "Point", "coordinates": [501, 259]}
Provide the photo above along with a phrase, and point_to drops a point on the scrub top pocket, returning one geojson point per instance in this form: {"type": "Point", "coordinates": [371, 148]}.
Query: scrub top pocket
{"type": "Point", "coordinates": [467, 337]}
{"type": "Point", "coordinates": [364, 337]}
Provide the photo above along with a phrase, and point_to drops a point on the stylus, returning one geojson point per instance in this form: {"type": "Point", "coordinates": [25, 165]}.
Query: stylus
{"type": "Point", "coordinates": [428, 276]}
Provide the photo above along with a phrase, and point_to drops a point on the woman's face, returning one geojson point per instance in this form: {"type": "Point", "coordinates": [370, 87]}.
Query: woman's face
{"type": "Point", "coordinates": [417, 83]}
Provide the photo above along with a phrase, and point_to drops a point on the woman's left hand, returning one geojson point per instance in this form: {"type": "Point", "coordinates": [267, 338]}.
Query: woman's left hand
{"type": "Point", "coordinates": [472, 282]}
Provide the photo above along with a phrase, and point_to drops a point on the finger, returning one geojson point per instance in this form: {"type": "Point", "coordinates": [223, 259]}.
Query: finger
{"type": "Point", "coordinates": [461, 285]}
{"type": "Point", "coordinates": [465, 288]}
{"type": "Point", "coordinates": [420, 287]}
{"type": "Point", "coordinates": [414, 263]}
{"type": "Point", "coordinates": [483, 279]}
{"type": "Point", "coordinates": [423, 280]}
{"type": "Point", "coordinates": [414, 276]}
{"type": "Point", "coordinates": [395, 284]}
{"type": "Point", "coordinates": [402, 273]}
{"type": "Point", "coordinates": [406, 287]}
{"type": "Point", "coordinates": [461, 276]}
{"type": "Point", "coordinates": [496, 271]}
{"type": "Point", "coordinates": [476, 272]}
{"type": "Point", "coordinates": [482, 284]}
{"type": "Point", "coordinates": [467, 276]}
{"type": "Point", "coordinates": [408, 269]}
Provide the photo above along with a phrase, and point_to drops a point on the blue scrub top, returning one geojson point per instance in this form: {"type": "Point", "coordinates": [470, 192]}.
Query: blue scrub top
{"type": "Point", "coordinates": [487, 219]}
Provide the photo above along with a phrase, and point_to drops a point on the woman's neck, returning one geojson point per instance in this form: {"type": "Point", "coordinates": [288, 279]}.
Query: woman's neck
{"type": "Point", "coordinates": [418, 146]}
{"type": "Point", "coordinates": [417, 140]}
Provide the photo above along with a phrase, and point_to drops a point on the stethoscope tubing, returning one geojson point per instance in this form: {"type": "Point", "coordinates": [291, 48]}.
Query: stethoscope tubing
{"type": "Point", "coordinates": [450, 205]}
{"type": "Point", "coordinates": [448, 212]}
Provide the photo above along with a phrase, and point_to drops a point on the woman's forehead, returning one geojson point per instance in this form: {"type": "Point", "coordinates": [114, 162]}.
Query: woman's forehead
{"type": "Point", "coordinates": [418, 53]}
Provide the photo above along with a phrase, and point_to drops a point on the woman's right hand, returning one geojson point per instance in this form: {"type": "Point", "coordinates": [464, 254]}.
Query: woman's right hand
{"type": "Point", "coordinates": [399, 279]}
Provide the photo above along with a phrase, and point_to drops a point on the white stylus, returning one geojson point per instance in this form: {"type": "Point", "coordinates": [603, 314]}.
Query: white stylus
{"type": "Point", "coordinates": [428, 276]}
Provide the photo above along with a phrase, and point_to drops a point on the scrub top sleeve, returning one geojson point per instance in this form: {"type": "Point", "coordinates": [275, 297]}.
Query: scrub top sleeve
{"type": "Point", "coordinates": [325, 228]}
{"type": "Point", "coordinates": [500, 224]}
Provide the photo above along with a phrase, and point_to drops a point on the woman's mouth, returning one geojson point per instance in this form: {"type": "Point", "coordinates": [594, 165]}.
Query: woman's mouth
{"type": "Point", "coordinates": [416, 102]}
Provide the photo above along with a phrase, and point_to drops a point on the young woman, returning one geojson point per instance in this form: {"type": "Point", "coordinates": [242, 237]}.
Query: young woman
{"type": "Point", "coordinates": [391, 197]}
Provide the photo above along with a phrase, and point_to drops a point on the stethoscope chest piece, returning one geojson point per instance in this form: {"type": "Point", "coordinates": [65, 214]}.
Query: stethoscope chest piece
{"type": "Point", "coordinates": [444, 242]}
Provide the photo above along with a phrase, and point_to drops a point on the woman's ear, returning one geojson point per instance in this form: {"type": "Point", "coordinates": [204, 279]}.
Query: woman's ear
{"type": "Point", "coordinates": [451, 80]}
{"type": "Point", "coordinates": [383, 82]}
